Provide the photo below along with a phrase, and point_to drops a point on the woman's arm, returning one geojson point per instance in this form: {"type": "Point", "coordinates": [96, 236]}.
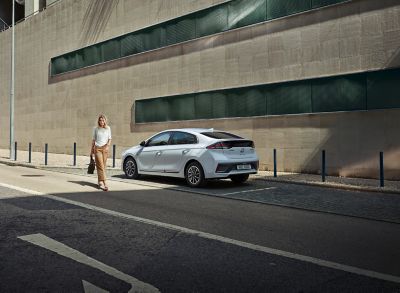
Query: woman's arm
{"type": "Point", "coordinates": [92, 148]}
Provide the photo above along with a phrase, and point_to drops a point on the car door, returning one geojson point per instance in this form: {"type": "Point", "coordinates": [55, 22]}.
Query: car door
{"type": "Point", "coordinates": [181, 145]}
{"type": "Point", "coordinates": [149, 159]}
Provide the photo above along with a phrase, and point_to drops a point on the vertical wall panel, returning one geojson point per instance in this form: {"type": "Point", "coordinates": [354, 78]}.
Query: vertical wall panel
{"type": "Point", "coordinates": [212, 21]}
{"type": "Point", "coordinates": [347, 93]}
{"type": "Point", "coordinates": [131, 44]}
{"type": "Point", "coordinates": [182, 108]}
{"type": "Point", "coordinates": [383, 89]}
{"type": "Point", "coordinates": [289, 98]}
{"type": "Point", "coordinates": [111, 50]}
{"type": "Point", "coordinates": [203, 106]}
{"type": "Point", "coordinates": [279, 8]}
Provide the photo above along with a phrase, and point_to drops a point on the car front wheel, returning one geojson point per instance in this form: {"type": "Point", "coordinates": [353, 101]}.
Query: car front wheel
{"type": "Point", "coordinates": [194, 175]}
{"type": "Point", "coordinates": [130, 168]}
{"type": "Point", "coordinates": [240, 178]}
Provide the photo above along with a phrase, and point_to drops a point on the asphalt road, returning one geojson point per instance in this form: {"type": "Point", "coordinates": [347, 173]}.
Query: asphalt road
{"type": "Point", "coordinates": [60, 234]}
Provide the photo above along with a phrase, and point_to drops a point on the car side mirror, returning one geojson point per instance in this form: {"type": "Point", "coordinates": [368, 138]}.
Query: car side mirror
{"type": "Point", "coordinates": [143, 143]}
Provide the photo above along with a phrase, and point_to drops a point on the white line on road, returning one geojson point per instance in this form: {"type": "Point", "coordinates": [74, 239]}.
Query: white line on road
{"type": "Point", "coordinates": [304, 258]}
{"type": "Point", "coordinates": [245, 191]}
{"type": "Point", "coordinates": [66, 251]}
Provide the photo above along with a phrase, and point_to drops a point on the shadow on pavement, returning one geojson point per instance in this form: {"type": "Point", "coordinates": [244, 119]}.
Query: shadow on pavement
{"type": "Point", "coordinates": [85, 183]}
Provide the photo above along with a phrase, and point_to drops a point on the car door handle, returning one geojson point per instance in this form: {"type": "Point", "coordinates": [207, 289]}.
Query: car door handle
{"type": "Point", "coordinates": [158, 153]}
{"type": "Point", "coordinates": [185, 152]}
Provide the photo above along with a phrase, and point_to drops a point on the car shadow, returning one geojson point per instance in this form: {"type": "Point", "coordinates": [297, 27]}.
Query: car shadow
{"type": "Point", "coordinates": [210, 185]}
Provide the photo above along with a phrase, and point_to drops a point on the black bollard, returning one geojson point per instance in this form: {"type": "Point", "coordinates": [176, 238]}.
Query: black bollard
{"type": "Point", "coordinates": [381, 173]}
{"type": "Point", "coordinates": [113, 155]}
{"type": "Point", "coordinates": [15, 150]}
{"type": "Point", "coordinates": [275, 173]}
{"type": "Point", "coordinates": [30, 152]}
{"type": "Point", "coordinates": [323, 170]}
{"type": "Point", "coordinates": [45, 153]}
{"type": "Point", "coordinates": [74, 153]}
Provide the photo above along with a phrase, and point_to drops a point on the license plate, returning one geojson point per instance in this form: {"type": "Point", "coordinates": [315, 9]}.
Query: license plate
{"type": "Point", "coordinates": [244, 167]}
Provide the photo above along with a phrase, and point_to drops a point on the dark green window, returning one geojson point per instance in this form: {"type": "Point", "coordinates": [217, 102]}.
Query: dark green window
{"type": "Point", "coordinates": [132, 44]}
{"type": "Point", "coordinates": [152, 110]}
{"type": "Point", "coordinates": [289, 98]}
{"type": "Point", "coordinates": [111, 50]}
{"type": "Point", "coordinates": [246, 12]}
{"type": "Point", "coordinates": [280, 8]}
{"type": "Point", "coordinates": [211, 21]}
{"type": "Point", "coordinates": [383, 89]}
{"type": "Point", "coordinates": [181, 108]}
{"type": "Point", "coordinates": [180, 30]}
{"type": "Point", "coordinates": [203, 106]}
{"type": "Point", "coordinates": [375, 90]}
{"type": "Point", "coordinates": [321, 3]}
{"type": "Point", "coordinates": [246, 102]}
{"type": "Point", "coordinates": [345, 93]}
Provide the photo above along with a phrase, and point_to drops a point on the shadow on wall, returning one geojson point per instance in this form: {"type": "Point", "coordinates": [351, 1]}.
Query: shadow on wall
{"type": "Point", "coordinates": [394, 60]}
{"type": "Point", "coordinates": [95, 20]}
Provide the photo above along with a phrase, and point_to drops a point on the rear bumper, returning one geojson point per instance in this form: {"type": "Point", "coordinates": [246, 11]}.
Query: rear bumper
{"type": "Point", "coordinates": [225, 170]}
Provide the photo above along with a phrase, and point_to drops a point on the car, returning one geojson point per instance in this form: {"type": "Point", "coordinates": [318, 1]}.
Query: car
{"type": "Point", "coordinates": [196, 154]}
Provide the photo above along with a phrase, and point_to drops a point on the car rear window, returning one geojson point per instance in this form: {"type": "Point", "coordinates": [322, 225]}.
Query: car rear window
{"type": "Point", "coordinates": [220, 135]}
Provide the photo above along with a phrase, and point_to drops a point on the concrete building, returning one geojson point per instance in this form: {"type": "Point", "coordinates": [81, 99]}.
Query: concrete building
{"type": "Point", "coordinates": [296, 76]}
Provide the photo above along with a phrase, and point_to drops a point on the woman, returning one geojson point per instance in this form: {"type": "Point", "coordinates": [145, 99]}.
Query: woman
{"type": "Point", "coordinates": [100, 145]}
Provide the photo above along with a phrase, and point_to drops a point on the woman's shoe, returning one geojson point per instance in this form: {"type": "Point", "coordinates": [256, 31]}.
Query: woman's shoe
{"type": "Point", "coordinates": [105, 188]}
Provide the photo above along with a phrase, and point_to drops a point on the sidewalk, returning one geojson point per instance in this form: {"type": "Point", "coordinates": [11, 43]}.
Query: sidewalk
{"type": "Point", "coordinates": [62, 162]}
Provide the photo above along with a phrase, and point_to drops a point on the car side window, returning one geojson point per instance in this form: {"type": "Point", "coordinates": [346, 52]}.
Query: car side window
{"type": "Point", "coordinates": [159, 139]}
{"type": "Point", "coordinates": [183, 138]}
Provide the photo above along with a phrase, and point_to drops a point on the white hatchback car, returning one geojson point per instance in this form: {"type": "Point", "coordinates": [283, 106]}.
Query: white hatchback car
{"type": "Point", "coordinates": [194, 154]}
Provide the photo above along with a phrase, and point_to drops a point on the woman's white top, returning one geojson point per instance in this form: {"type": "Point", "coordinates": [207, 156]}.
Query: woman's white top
{"type": "Point", "coordinates": [101, 135]}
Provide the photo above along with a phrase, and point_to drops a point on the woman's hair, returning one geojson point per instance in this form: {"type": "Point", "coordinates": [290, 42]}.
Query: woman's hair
{"type": "Point", "coordinates": [105, 120]}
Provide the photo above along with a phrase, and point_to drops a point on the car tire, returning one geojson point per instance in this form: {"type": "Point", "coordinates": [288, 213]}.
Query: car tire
{"type": "Point", "coordinates": [239, 179]}
{"type": "Point", "coordinates": [130, 168]}
{"type": "Point", "coordinates": [194, 175]}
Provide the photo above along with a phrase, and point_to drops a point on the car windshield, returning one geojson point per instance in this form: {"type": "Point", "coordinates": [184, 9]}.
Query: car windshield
{"type": "Point", "coordinates": [220, 135]}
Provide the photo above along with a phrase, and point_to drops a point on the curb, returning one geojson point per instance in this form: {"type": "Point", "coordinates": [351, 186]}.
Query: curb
{"type": "Point", "coordinates": [258, 178]}
{"type": "Point", "coordinates": [333, 185]}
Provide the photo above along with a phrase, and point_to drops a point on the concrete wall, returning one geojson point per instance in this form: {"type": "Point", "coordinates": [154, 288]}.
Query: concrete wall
{"type": "Point", "coordinates": [352, 37]}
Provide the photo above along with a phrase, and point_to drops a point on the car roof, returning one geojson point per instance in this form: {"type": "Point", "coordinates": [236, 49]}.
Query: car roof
{"type": "Point", "coordinates": [192, 130]}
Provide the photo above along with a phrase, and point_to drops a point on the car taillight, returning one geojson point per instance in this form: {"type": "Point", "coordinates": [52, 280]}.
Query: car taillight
{"type": "Point", "coordinates": [219, 146]}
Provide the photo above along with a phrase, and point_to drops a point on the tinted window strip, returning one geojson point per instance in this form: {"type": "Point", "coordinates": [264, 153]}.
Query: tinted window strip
{"type": "Point", "coordinates": [351, 92]}
{"type": "Point", "coordinates": [219, 18]}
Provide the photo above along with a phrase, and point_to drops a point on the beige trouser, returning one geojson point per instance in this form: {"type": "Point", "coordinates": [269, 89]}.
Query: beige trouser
{"type": "Point", "coordinates": [100, 156]}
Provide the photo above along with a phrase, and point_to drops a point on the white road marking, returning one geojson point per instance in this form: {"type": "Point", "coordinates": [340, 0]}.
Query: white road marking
{"type": "Point", "coordinates": [28, 191]}
{"type": "Point", "coordinates": [245, 191]}
{"type": "Point", "coordinates": [304, 258]}
{"type": "Point", "coordinates": [66, 251]}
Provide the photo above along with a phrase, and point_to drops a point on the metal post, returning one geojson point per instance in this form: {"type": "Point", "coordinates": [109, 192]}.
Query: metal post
{"type": "Point", "coordinates": [30, 152]}
{"type": "Point", "coordinates": [323, 171]}
{"type": "Point", "coordinates": [381, 175]}
{"type": "Point", "coordinates": [15, 150]}
{"type": "Point", "coordinates": [275, 175]}
{"type": "Point", "coordinates": [113, 155]}
{"type": "Point", "coordinates": [12, 82]}
{"type": "Point", "coordinates": [45, 153]}
{"type": "Point", "coordinates": [74, 153]}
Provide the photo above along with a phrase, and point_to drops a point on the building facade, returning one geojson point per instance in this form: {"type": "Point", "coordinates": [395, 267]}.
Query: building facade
{"type": "Point", "coordinates": [296, 76]}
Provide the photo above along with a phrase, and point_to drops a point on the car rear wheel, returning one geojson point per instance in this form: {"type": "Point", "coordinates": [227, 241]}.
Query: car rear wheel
{"type": "Point", "coordinates": [130, 168]}
{"type": "Point", "coordinates": [239, 179]}
{"type": "Point", "coordinates": [194, 175]}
